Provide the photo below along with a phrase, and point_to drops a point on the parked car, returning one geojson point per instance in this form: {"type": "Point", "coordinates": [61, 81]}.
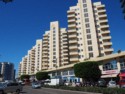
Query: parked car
{"type": "Point", "coordinates": [112, 84]}
{"type": "Point", "coordinates": [10, 88]}
{"type": "Point", "coordinates": [122, 83]}
{"type": "Point", "coordinates": [36, 85]}
{"type": "Point", "coordinates": [101, 83]}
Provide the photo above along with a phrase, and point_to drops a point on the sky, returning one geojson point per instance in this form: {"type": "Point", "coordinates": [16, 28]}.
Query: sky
{"type": "Point", "coordinates": [24, 21]}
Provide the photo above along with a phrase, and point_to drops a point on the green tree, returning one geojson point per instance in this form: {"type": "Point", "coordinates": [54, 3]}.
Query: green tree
{"type": "Point", "coordinates": [42, 76]}
{"type": "Point", "coordinates": [25, 77]}
{"type": "Point", "coordinates": [89, 71]}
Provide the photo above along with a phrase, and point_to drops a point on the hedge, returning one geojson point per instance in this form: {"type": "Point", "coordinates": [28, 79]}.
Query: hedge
{"type": "Point", "coordinates": [91, 89]}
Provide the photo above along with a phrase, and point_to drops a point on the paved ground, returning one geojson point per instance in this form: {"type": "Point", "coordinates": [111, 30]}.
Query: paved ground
{"type": "Point", "coordinates": [29, 90]}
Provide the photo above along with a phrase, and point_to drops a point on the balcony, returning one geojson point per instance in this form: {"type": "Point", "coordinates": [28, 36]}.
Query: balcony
{"type": "Point", "coordinates": [106, 38]}
{"type": "Point", "coordinates": [45, 56]}
{"type": "Point", "coordinates": [107, 43]}
{"type": "Point", "coordinates": [72, 25]}
{"type": "Point", "coordinates": [103, 16]}
{"type": "Point", "coordinates": [45, 38]}
{"type": "Point", "coordinates": [73, 47]}
{"type": "Point", "coordinates": [72, 31]}
{"type": "Point", "coordinates": [71, 12]}
{"type": "Point", "coordinates": [45, 45]}
{"type": "Point", "coordinates": [102, 11]}
{"type": "Point", "coordinates": [104, 26]}
{"type": "Point", "coordinates": [45, 49]}
{"type": "Point", "coordinates": [72, 36]}
{"type": "Point", "coordinates": [103, 21]}
{"type": "Point", "coordinates": [73, 41]}
{"type": "Point", "coordinates": [65, 50]}
{"type": "Point", "coordinates": [71, 20]}
{"type": "Point", "coordinates": [65, 62]}
{"type": "Point", "coordinates": [65, 42]}
{"type": "Point", "coordinates": [101, 6]}
{"type": "Point", "coordinates": [105, 32]}
{"type": "Point", "coordinates": [65, 58]}
{"type": "Point", "coordinates": [45, 52]}
{"type": "Point", "coordinates": [74, 53]}
{"type": "Point", "coordinates": [65, 46]}
{"type": "Point", "coordinates": [44, 59]}
{"type": "Point", "coordinates": [64, 39]}
{"type": "Point", "coordinates": [45, 41]}
{"type": "Point", "coordinates": [71, 16]}
{"type": "Point", "coordinates": [65, 54]}
{"type": "Point", "coordinates": [64, 36]}
{"type": "Point", "coordinates": [109, 50]}
{"type": "Point", "coordinates": [74, 59]}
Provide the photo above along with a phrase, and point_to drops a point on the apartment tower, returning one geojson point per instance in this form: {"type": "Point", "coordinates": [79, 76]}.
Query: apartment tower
{"type": "Point", "coordinates": [55, 47]}
{"type": "Point", "coordinates": [88, 31]}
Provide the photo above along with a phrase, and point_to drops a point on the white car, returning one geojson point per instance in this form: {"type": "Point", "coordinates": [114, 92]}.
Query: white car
{"type": "Point", "coordinates": [112, 84]}
{"type": "Point", "coordinates": [36, 85]}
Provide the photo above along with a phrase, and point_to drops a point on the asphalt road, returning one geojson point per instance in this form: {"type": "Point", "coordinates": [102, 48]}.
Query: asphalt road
{"type": "Point", "coordinates": [29, 90]}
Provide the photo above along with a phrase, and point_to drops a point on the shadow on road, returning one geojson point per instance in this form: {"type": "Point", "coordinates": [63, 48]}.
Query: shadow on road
{"type": "Point", "coordinates": [23, 92]}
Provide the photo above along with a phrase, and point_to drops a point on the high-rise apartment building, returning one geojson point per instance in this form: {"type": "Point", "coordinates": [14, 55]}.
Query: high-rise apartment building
{"type": "Point", "coordinates": [88, 31]}
{"type": "Point", "coordinates": [55, 47]}
{"type": "Point", "coordinates": [31, 63]}
{"type": "Point", "coordinates": [7, 70]}
{"type": "Point", "coordinates": [87, 37]}
{"type": "Point", "coordinates": [123, 6]}
{"type": "Point", "coordinates": [38, 55]}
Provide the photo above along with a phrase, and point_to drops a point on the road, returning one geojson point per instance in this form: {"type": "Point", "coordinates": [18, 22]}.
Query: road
{"type": "Point", "coordinates": [29, 90]}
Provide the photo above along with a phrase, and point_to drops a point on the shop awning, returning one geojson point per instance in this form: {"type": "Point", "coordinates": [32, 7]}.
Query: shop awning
{"type": "Point", "coordinates": [122, 74]}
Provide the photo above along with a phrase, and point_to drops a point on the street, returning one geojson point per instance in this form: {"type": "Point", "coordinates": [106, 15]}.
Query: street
{"type": "Point", "coordinates": [29, 90]}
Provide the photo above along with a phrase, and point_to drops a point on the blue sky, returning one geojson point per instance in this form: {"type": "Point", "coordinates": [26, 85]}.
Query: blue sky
{"type": "Point", "coordinates": [24, 21]}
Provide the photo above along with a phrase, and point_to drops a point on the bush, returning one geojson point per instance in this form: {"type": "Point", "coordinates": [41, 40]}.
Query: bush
{"type": "Point", "coordinates": [91, 89]}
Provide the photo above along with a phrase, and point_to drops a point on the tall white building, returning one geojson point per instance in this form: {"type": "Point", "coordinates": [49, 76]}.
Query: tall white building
{"type": "Point", "coordinates": [55, 47]}
{"type": "Point", "coordinates": [87, 37]}
{"type": "Point", "coordinates": [88, 31]}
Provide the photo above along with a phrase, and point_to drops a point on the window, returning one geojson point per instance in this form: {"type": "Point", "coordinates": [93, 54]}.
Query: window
{"type": "Point", "coordinates": [54, 41]}
{"type": "Point", "coordinates": [54, 49]}
{"type": "Point", "coordinates": [87, 30]}
{"type": "Point", "coordinates": [79, 56]}
{"type": "Point", "coordinates": [87, 25]}
{"type": "Point", "coordinates": [84, 1]}
{"type": "Point", "coordinates": [54, 38]}
{"type": "Point", "coordinates": [54, 34]}
{"type": "Point", "coordinates": [89, 42]}
{"type": "Point", "coordinates": [86, 15]}
{"type": "Point", "coordinates": [112, 65]}
{"type": "Point", "coordinates": [54, 31]}
{"type": "Point", "coordinates": [90, 48]}
{"type": "Point", "coordinates": [85, 10]}
{"type": "Point", "coordinates": [87, 20]}
{"type": "Point", "coordinates": [84, 5]}
{"type": "Point", "coordinates": [54, 45]}
{"type": "Point", "coordinates": [90, 55]}
{"type": "Point", "coordinates": [88, 36]}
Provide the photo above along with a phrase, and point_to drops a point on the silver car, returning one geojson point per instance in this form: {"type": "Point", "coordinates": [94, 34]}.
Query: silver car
{"type": "Point", "coordinates": [10, 88]}
{"type": "Point", "coordinates": [112, 84]}
{"type": "Point", "coordinates": [36, 85]}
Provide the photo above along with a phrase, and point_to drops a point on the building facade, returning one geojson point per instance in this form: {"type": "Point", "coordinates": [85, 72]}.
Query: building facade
{"type": "Point", "coordinates": [123, 6]}
{"type": "Point", "coordinates": [86, 38]}
{"type": "Point", "coordinates": [7, 70]}
{"type": "Point", "coordinates": [88, 31]}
